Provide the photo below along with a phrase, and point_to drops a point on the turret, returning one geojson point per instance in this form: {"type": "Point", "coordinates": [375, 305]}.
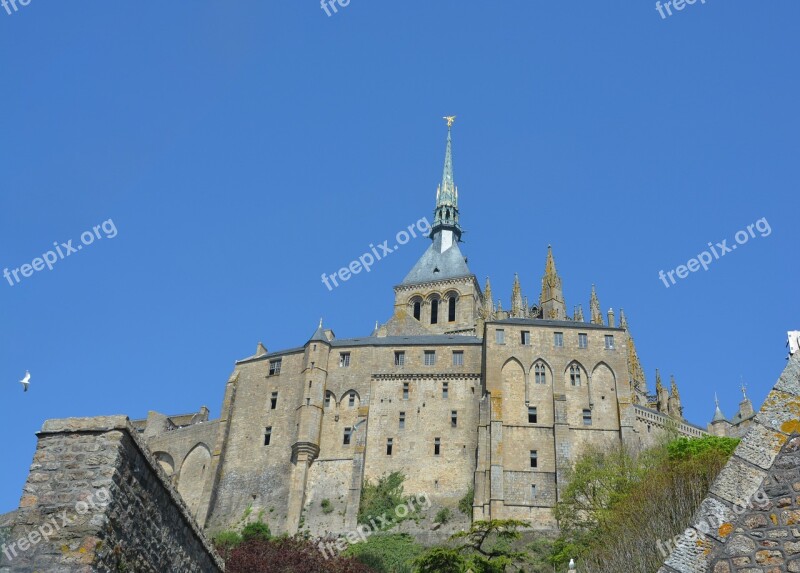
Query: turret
{"type": "Point", "coordinates": [551, 299]}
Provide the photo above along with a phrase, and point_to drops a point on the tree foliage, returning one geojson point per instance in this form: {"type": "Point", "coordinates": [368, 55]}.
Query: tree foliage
{"type": "Point", "coordinates": [382, 498]}
{"type": "Point", "coordinates": [393, 553]}
{"type": "Point", "coordinates": [288, 555]}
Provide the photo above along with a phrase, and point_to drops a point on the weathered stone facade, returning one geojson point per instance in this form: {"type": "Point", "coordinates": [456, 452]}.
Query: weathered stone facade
{"type": "Point", "coordinates": [96, 500]}
{"type": "Point", "coordinates": [452, 391]}
{"type": "Point", "coordinates": [750, 522]}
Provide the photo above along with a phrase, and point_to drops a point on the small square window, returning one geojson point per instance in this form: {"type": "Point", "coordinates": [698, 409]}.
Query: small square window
{"type": "Point", "coordinates": [558, 339]}
{"type": "Point", "coordinates": [405, 390]}
{"type": "Point", "coordinates": [525, 338]}
{"type": "Point", "coordinates": [267, 436]}
{"type": "Point", "coordinates": [389, 444]}
{"type": "Point", "coordinates": [399, 358]}
{"type": "Point", "coordinates": [437, 446]}
{"type": "Point", "coordinates": [587, 417]}
{"type": "Point", "coordinates": [458, 358]}
{"type": "Point", "coordinates": [610, 341]}
{"type": "Point", "coordinates": [344, 360]}
{"type": "Point", "coordinates": [454, 419]}
{"type": "Point", "coordinates": [273, 401]}
{"type": "Point", "coordinates": [402, 424]}
{"type": "Point", "coordinates": [445, 389]}
{"type": "Point", "coordinates": [274, 367]}
{"type": "Point", "coordinates": [534, 459]}
{"type": "Point", "coordinates": [532, 415]}
{"type": "Point", "coordinates": [348, 433]}
{"type": "Point", "coordinates": [583, 340]}
{"type": "Point", "coordinates": [500, 336]}
{"type": "Point", "coordinates": [430, 357]}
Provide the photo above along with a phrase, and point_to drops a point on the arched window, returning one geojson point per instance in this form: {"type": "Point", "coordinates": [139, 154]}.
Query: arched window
{"type": "Point", "coordinates": [575, 375]}
{"type": "Point", "coordinates": [451, 311]}
{"type": "Point", "coordinates": [540, 376]}
{"type": "Point", "coordinates": [417, 309]}
{"type": "Point", "coordinates": [435, 311]}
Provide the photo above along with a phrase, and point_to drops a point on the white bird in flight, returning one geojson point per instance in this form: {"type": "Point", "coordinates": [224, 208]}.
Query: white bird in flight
{"type": "Point", "coordinates": [26, 381]}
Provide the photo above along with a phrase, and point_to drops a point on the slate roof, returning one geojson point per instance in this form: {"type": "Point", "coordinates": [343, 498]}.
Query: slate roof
{"type": "Point", "coordinates": [434, 265]}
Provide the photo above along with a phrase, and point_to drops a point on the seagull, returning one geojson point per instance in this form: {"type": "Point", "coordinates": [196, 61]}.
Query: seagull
{"type": "Point", "coordinates": [26, 381]}
{"type": "Point", "coordinates": [572, 565]}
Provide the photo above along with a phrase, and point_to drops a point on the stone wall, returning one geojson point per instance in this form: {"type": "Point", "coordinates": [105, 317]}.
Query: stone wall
{"type": "Point", "coordinates": [97, 500]}
{"type": "Point", "coordinates": [750, 522]}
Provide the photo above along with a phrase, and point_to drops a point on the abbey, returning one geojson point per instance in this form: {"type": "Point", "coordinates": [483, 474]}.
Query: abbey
{"type": "Point", "coordinates": [453, 391]}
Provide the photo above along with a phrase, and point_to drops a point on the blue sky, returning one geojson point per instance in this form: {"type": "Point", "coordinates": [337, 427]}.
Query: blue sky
{"type": "Point", "coordinates": [243, 149]}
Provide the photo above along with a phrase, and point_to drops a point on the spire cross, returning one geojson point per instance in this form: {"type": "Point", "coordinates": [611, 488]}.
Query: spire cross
{"type": "Point", "coordinates": [744, 388]}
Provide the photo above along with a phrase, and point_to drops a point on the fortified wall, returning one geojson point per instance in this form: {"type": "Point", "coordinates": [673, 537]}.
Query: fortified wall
{"type": "Point", "coordinates": [97, 500]}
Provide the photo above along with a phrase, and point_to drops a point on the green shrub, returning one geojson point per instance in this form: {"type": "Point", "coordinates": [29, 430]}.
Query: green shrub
{"type": "Point", "coordinates": [393, 553]}
{"type": "Point", "coordinates": [327, 506]}
{"type": "Point", "coordinates": [465, 503]}
{"type": "Point", "coordinates": [381, 499]}
{"type": "Point", "coordinates": [256, 531]}
{"type": "Point", "coordinates": [442, 516]}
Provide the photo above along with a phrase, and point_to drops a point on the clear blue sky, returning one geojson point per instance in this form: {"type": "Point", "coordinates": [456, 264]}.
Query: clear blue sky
{"type": "Point", "coordinates": [243, 149]}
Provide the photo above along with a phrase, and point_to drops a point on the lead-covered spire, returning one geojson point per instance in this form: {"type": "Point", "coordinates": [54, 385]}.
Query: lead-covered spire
{"type": "Point", "coordinates": [446, 214]}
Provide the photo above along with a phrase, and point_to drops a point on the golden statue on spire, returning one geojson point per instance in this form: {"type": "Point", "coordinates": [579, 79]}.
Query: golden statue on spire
{"type": "Point", "coordinates": [450, 119]}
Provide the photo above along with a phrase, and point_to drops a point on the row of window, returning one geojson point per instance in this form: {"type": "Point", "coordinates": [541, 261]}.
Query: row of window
{"type": "Point", "coordinates": [558, 339]}
{"type": "Point", "coordinates": [434, 313]}
{"type": "Point", "coordinates": [533, 416]}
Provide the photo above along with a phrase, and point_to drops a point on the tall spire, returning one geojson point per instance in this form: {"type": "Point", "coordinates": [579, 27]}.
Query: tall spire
{"type": "Point", "coordinates": [662, 396]}
{"type": "Point", "coordinates": [551, 298]}
{"type": "Point", "coordinates": [675, 408]}
{"type": "Point", "coordinates": [517, 305]}
{"type": "Point", "coordinates": [635, 371]}
{"type": "Point", "coordinates": [718, 415]}
{"type": "Point", "coordinates": [488, 303]}
{"type": "Point", "coordinates": [446, 214]}
{"type": "Point", "coordinates": [594, 306]}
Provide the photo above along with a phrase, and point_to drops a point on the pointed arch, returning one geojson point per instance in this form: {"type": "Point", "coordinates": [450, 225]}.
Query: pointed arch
{"type": "Point", "coordinates": [166, 462]}
{"type": "Point", "coordinates": [350, 399]}
{"type": "Point", "coordinates": [541, 367]}
{"type": "Point", "coordinates": [575, 374]}
{"type": "Point", "coordinates": [191, 479]}
{"type": "Point", "coordinates": [604, 364]}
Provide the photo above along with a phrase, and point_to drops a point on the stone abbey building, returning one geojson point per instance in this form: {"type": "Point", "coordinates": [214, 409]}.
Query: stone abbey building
{"type": "Point", "coordinates": [453, 391]}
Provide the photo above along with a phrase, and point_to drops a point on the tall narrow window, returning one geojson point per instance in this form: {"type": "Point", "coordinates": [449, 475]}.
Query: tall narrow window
{"type": "Point", "coordinates": [500, 336]}
{"type": "Point", "coordinates": [533, 492]}
{"type": "Point", "coordinates": [558, 339]}
{"type": "Point", "coordinates": [583, 340]}
{"type": "Point", "coordinates": [402, 424]}
{"type": "Point", "coordinates": [587, 417]}
{"type": "Point", "coordinates": [445, 389]}
{"type": "Point", "coordinates": [417, 309]}
{"type": "Point", "coordinates": [539, 373]}
{"type": "Point", "coordinates": [525, 338]}
{"type": "Point", "coordinates": [348, 432]}
{"type": "Point", "coordinates": [454, 419]}
{"type": "Point", "coordinates": [575, 375]}
{"type": "Point", "coordinates": [273, 401]}
{"type": "Point", "coordinates": [610, 341]}
{"type": "Point", "coordinates": [351, 399]}
{"type": "Point", "coordinates": [437, 446]}
{"type": "Point", "coordinates": [534, 459]}
{"type": "Point", "coordinates": [405, 390]}
{"type": "Point", "coordinates": [344, 360]}
{"type": "Point", "coordinates": [267, 436]}
{"type": "Point", "coordinates": [458, 358]}
{"type": "Point", "coordinates": [430, 357]}
{"type": "Point", "coordinates": [274, 367]}
{"type": "Point", "coordinates": [451, 310]}
{"type": "Point", "coordinates": [389, 444]}
{"type": "Point", "coordinates": [399, 358]}
{"type": "Point", "coordinates": [327, 400]}
{"type": "Point", "coordinates": [532, 415]}
{"type": "Point", "coordinates": [435, 311]}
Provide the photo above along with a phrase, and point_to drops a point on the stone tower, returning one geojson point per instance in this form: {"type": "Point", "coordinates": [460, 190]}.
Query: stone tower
{"type": "Point", "coordinates": [440, 295]}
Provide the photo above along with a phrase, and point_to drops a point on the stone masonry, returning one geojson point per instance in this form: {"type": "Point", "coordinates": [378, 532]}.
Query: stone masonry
{"type": "Point", "coordinates": [750, 522]}
{"type": "Point", "coordinates": [96, 500]}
